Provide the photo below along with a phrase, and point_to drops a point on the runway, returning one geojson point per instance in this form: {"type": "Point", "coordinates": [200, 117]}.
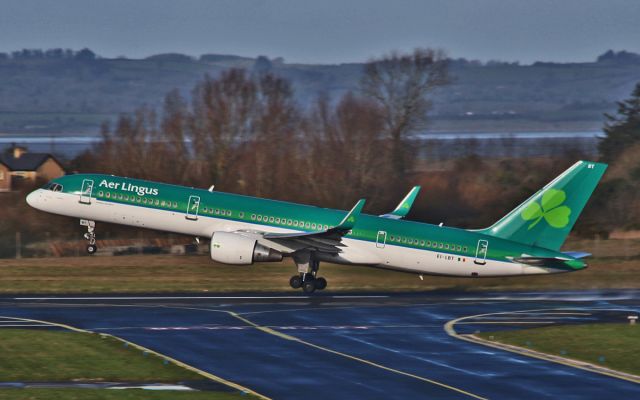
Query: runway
{"type": "Point", "coordinates": [374, 346]}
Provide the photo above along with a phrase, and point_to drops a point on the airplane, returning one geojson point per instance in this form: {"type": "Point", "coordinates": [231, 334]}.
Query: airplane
{"type": "Point", "coordinates": [244, 230]}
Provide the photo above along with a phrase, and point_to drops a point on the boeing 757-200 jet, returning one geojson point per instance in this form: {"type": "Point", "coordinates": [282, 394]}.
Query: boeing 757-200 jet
{"type": "Point", "coordinates": [244, 230]}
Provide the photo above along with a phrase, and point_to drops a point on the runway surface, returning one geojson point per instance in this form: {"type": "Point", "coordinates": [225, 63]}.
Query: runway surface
{"type": "Point", "coordinates": [347, 347]}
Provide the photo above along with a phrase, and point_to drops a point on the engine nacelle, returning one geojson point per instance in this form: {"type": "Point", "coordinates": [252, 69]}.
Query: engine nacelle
{"type": "Point", "coordinates": [231, 248]}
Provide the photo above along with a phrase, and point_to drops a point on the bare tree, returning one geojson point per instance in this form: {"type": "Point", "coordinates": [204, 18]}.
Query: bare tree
{"type": "Point", "coordinates": [173, 146]}
{"type": "Point", "coordinates": [401, 84]}
{"type": "Point", "coordinates": [275, 122]}
{"type": "Point", "coordinates": [347, 145]}
{"type": "Point", "coordinates": [221, 120]}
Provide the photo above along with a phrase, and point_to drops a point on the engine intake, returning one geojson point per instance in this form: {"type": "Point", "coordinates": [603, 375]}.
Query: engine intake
{"type": "Point", "coordinates": [231, 248]}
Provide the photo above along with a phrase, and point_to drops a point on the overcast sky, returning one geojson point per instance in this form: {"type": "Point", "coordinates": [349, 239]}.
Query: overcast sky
{"type": "Point", "coordinates": [326, 31]}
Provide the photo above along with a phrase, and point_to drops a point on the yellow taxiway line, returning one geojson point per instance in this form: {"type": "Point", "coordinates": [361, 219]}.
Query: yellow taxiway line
{"type": "Point", "coordinates": [358, 359]}
{"type": "Point", "coordinates": [449, 328]}
{"type": "Point", "coordinates": [142, 348]}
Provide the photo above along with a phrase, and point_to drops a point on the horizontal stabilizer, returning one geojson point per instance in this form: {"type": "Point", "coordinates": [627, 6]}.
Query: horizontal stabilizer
{"type": "Point", "coordinates": [552, 262]}
{"type": "Point", "coordinates": [577, 254]}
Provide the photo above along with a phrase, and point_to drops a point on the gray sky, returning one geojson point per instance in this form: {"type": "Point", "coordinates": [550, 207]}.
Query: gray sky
{"type": "Point", "coordinates": [326, 31]}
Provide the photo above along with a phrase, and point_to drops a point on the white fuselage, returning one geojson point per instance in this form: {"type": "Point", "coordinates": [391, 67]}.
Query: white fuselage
{"type": "Point", "coordinates": [360, 252]}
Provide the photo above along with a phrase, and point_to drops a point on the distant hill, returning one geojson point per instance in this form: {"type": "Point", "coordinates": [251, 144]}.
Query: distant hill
{"type": "Point", "coordinates": [64, 91]}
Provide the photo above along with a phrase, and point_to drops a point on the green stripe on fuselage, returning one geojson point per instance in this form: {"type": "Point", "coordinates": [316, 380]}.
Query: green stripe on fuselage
{"type": "Point", "coordinates": [408, 234]}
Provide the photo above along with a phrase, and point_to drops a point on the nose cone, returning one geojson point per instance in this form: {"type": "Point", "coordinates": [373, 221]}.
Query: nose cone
{"type": "Point", "coordinates": [33, 199]}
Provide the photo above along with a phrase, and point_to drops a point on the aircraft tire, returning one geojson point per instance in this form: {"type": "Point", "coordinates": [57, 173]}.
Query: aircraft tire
{"type": "Point", "coordinates": [295, 282]}
{"type": "Point", "coordinates": [92, 248]}
{"type": "Point", "coordinates": [321, 283]}
{"type": "Point", "coordinates": [309, 286]}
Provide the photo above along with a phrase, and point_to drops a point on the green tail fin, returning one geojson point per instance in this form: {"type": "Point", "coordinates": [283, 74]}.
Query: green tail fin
{"type": "Point", "coordinates": [546, 218]}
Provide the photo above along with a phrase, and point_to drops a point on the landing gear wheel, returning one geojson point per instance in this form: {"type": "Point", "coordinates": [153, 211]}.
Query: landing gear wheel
{"type": "Point", "coordinates": [295, 282]}
{"type": "Point", "coordinates": [320, 283]}
{"type": "Point", "coordinates": [90, 235]}
{"type": "Point", "coordinates": [309, 286]}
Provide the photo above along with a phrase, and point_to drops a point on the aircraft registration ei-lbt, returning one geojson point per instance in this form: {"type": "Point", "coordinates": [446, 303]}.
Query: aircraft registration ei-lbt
{"type": "Point", "coordinates": [244, 229]}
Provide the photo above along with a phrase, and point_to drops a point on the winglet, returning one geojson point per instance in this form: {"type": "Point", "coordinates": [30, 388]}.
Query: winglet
{"type": "Point", "coordinates": [403, 208]}
{"type": "Point", "coordinates": [350, 219]}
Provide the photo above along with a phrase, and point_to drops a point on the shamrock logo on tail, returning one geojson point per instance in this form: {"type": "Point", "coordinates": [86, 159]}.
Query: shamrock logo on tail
{"type": "Point", "coordinates": [550, 209]}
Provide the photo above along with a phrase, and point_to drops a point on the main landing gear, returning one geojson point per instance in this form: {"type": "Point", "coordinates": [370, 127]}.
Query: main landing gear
{"type": "Point", "coordinates": [307, 277]}
{"type": "Point", "coordinates": [90, 235]}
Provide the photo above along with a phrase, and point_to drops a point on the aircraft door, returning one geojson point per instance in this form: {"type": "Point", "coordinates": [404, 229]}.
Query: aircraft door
{"type": "Point", "coordinates": [193, 207]}
{"type": "Point", "coordinates": [481, 252]}
{"type": "Point", "coordinates": [381, 240]}
{"type": "Point", "coordinates": [86, 192]}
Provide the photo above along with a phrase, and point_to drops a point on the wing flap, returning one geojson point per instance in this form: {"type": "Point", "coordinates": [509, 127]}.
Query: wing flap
{"type": "Point", "coordinates": [329, 240]}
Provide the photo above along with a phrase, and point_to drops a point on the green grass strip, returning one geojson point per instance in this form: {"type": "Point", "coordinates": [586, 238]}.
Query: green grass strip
{"type": "Point", "coordinates": [615, 346]}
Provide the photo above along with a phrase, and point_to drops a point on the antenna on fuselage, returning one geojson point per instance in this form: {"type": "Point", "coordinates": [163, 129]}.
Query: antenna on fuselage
{"type": "Point", "coordinates": [440, 224]}
{"type": "Point", "coordinates": [211, 188]}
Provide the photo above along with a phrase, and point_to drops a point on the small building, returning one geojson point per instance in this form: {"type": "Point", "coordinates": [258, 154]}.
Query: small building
{"type": "Point", "coordinates": [18, 166]}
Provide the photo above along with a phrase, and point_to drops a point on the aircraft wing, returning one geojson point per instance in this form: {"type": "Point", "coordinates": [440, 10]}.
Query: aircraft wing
{"type": "Point", "coordinates": [403, 208]}
{"type": "Point", "coordinates": [329, 240]}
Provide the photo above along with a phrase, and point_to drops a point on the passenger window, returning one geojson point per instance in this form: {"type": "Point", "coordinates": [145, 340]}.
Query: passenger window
{"type": "Point", "coordinates": [270, 219]}
{"type": "Point", "coordinates": [295, 223]}
{"type": "Point", "coordinates": [313, 226]}
{"type": "Point", "coordinates": [307, 225]}
{"type": "Point", "coordinates": [253, 217]}
{"type": "Point", "coordinates": [157, 201]}
{"type": "Point", "coordinates": [108, 195]}
{"type": "Point", "coordinates": [289, 222]}
{"type": "Point", "coordinates": [259, 217]}
{"type": "Point", "coordinates": [228, 213]}
{"type": "Point", "coordinates": [440, 245]}
{"type": "Point", "coordinates": [422, 243]}
{"type": "Point", "coordinates": [241, 215]}
{"type": "Point", "coordinates": [446, 246]}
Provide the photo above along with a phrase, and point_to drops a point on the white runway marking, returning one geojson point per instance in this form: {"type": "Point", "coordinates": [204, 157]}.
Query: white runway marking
{"type": "Point", "coordinates": [200, 298]}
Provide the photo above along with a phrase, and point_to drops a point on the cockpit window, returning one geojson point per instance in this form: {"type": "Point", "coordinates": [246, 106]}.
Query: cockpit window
{"type": "Point", "coordinates": [47, 186]}
{"type": "Point", "coordinates": [55, 187]}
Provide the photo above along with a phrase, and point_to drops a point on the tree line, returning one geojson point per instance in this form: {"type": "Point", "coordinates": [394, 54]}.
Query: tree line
{"type": "Point", "coordinates": [244, 132]}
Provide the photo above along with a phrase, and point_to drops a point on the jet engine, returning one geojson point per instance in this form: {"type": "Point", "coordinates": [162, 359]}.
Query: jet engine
{"type": "Point", "coordinates": [231, 248]}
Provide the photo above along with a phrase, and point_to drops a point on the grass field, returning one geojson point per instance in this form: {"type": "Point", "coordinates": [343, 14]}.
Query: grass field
{"type": "Point", "coordinates": [99, 394]}
{"type": "Point", "coordinates": [616, 265]}
{"type": "Point", "coordinates": [65, 356]}
{"type": "Point", "coordinates": [619, 344]}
